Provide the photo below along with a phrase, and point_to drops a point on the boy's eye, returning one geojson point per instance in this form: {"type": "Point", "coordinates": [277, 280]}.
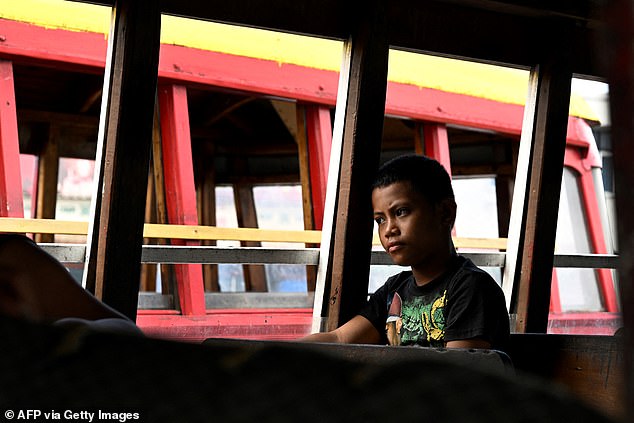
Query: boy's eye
{"type": "Point", "coordinates": [402, 212]}
{"type": "Point", "coordinates": [379, 220]}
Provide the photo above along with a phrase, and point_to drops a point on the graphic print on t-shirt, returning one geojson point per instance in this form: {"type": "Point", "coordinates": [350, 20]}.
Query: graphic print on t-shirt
{"type": "Point", "coordinates": [421, 321]}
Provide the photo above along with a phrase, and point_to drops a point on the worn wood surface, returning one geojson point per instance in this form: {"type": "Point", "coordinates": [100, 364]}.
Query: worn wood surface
{"type": "Point", "coordinates": [130, 89]}
{"type": "Point", "coordinates": [362, 129]}
{"type": "Point", "coordinates": [47, 173]}
{"type": "Point", "coordinates": [620, 64]}
{"type": "Point", "coordinates": [546, 117]}
{"type": "Point", "coordinates": [589, 366]}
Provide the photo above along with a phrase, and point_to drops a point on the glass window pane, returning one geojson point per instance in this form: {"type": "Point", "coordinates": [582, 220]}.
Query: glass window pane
{"type": "Point", "coordinates": [280, 207]}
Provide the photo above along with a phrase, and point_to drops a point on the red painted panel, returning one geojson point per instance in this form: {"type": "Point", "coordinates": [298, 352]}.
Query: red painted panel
{"type": "Point", "coordinates": [290, 324]}
{"type": "Point", "coordinates": [11, 204]}
{"type": "Point", "coordinates": [267, 77]}
{"type": "Point", "coordinates": [319, 129]}
{"type": "Point", "coordinates": [180, 192]}
{"type": "Point", "coordinates": [267, 324]}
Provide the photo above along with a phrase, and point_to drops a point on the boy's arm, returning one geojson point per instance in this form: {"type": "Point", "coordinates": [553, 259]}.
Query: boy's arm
{"type": "Point", "coordinates": [469, 343]}
{"type": "Point", "coordinates": [357, 330]}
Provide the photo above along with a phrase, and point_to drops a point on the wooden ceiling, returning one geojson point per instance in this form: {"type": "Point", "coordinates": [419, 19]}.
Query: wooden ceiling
{"type": "Point", "coordinates": [510, 32]}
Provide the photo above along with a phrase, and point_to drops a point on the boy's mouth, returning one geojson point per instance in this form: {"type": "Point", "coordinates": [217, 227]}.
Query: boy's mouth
{"type": "Point", "coordinates": [394, 246]}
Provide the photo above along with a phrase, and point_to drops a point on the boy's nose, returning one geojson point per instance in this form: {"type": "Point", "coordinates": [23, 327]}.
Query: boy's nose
{"type": "Point", "coordinates": [391, 228]}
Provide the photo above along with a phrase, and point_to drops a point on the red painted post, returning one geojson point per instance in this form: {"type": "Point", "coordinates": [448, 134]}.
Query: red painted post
{"type": "Point", "coordinates": [319, 131]}
{"type": "Point", "coordinates": [11, 203]}
{"type": "Point", "coordinates": [180, 191]}
{"type": "Point", "coordinates": [436, 143]}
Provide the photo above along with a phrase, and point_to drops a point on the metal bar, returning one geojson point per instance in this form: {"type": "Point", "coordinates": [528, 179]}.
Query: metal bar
{"type": "Point", "coordinates": [259, 300]}
{"type": "Point", "coordinates": [241, 255]}
{"type": "Point", "coordinates": [74, 253]}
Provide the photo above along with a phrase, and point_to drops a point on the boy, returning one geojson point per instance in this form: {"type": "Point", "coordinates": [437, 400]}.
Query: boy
{"type": "Point", "coordinates": [445, 300]}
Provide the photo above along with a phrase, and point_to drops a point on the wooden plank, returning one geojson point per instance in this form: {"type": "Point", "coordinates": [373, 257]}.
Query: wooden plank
{"type": "Point", "coordinates": [123, 154]}
{"type": "Point", "coordinates": [319, 132]}
{"type": "Point", "coordinates": [362, 129]}
{"type": "Point", "coordinates": [588, 366]}
{"type": "Point", "coordinates": [168, 284]}
{"type": "Point", "coordinates": [148, 271]}
{"type": "Point", "coordinates": [308, 197]}
{"type": "Point", "coordinates": [254, 276]}
{"type": "Point", "coordinates": [50, 226]}
{"type": "Point", "coordinates": [553, 78]}
{"type": "Point", "coordinates": [47, 174]}
{"type": "Point", "coordinates": [11, 203]}
{"type": "Point", "coordinates": [180, 191]}
{"type": "Point", "coordinates": [206, 200]}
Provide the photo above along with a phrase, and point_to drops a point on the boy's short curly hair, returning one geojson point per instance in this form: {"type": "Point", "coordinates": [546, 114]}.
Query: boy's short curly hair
{"type": "Point", "coordinates": [426, 175]}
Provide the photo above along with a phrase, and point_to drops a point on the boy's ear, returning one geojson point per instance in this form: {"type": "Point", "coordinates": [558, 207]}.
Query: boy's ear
{"type": "Point", "coordinates": [447, 208]}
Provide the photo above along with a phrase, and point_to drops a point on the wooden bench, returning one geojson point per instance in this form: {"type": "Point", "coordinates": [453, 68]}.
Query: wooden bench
{"type": "Point", "coordinates": [589, 366]}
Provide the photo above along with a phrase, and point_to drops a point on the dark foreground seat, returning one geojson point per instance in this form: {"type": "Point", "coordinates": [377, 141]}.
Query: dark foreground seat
{"type": "Point", "coordinates": [51, 368]}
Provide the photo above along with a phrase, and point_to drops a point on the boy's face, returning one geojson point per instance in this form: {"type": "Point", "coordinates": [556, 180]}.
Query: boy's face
{"type": "Point", "coordinates": [412, 231]}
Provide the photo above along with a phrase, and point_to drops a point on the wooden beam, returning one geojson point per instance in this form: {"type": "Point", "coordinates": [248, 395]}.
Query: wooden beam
{"type": "Point", "coordinates": [47, 175]}
{"type": "Point", "coordinates": [180, 191]}
{"type": "Point", "coordinates": [319, 132]}
{"type": "Point", "coordinates": [546, 119]}
{"type": "Point", "coordinates": [461, 29]}
{"type": "Point", "coordinates": [620, 65]}
{"type": "Point", "coordinates": [206, 200]}
{"type": "Point", "coordinates": [11, 203]}
{"type": "Point", "coordinates": [168, 283]}
{"type": "Point", "coordinates": [254, 275]}
{"type": "Point", "coordinates": [301, 138]}
{"type": "Point", "coordinates": [148, 271]}
{"type": "Point", "coordinates": [362, 125]}
{"type": "Point", "coordinates": [123, 155]}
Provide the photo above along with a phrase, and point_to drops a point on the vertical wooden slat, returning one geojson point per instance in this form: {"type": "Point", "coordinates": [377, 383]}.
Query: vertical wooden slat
{"type": "Point", "coordinates": [180, 189]}
{"type": "Point", "coordinates": [254, 274]}
{"type": "Point", "coordinates": [47, 175]}
{"type": "Point", "coordinates": [319, 133]}
{"type": "Point", "coordinates": [148, 270]}
{"type": "Point", "coordinates": [313, 140]}
{"type": "Point", "coordinates": [207, 214]}
{"type": "Point", "coordinates": [123, 153]}
{"type": "Point", "coordinates": [11, 203]}
{"type": "Point", "coordinates": [301, 138]}
{"type": "Point", "coordinates": [551, 81]}
{"type": "Point", "coordinates": [167, 274]}
{"type": "Point", "coordinates": [361, 147]}
{"type": "Point", "coordinates": [308, 200]}
{"type": "Point", "coordinates": [620, 70]}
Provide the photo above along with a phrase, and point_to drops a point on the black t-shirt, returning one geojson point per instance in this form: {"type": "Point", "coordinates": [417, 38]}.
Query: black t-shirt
{"type": "Point", "coordinates": [464, 302]}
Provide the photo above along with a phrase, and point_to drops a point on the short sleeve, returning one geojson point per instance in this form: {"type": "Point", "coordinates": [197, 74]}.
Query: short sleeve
{"type": "Point", "coordinates": [375, 310]}
{"type": "Point", "coordinates": [476, 309]}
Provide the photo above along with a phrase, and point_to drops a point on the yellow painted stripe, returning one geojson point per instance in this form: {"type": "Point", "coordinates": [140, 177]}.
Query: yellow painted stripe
{"type": "Point", "coordinates": [485, 81]}
{"type": "Point", "coordinates": [52, 226]}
